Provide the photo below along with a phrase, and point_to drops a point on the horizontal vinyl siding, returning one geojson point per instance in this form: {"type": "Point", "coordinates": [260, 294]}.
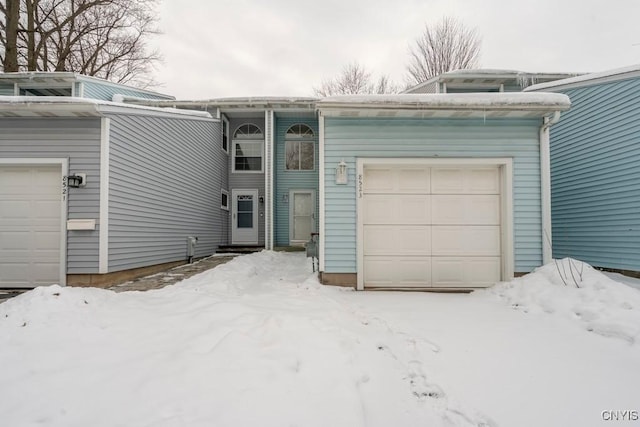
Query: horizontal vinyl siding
{"type": "Point", "coordinates": [290, 180]}
{"type": "Point", "coordinates": [349, 139]}
{"type": "Point", "coordinates": [247, 181]}
{"type": "Point", "coordinates": [165, 181]}
{"type": "Point", "coordinates": [7, 89]}
{"type": "Point", "coordinates": [105, 92]}
{"type": "Point", "coordinates": [78, 140]}
{"type": "Point", "coordinates": [595, 176]}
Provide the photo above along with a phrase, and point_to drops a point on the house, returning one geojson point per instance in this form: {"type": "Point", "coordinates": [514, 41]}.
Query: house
{"type": "Point", "coordinates": [484, 80]}
{"type": "Point", "coordinates": [405, 191]}
{"type": "Point", "coordinates": [91, 189]}
{"type": "Point", "coordinates": [595, 169]}
{"type": "Point", "coordinates": [443, 191]}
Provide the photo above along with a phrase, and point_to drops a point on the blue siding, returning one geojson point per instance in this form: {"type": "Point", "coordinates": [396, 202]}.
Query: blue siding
{"type": "Point", "coordinates": [349, 139]}
{"type": "Point", "coordinates": [79, 140]}
{"type": "Point", "coordinates": [595, 176]}
{"type": "Point", "coordinates": [6, 89]}
{"type": "Point", "coordinates": [165, 179]}
{"type": "Point", "coordinates": [105, 91]}
{"type": "Point", "coordinates": [290, 180]}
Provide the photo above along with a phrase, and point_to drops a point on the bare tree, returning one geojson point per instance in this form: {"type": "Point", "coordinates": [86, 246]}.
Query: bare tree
{"type": "Point", "coordinates": [102, 38]}
{"type": "Point", "coordinates": [355, 79]}
{"type": "Point", "coordinates": [446, 46]}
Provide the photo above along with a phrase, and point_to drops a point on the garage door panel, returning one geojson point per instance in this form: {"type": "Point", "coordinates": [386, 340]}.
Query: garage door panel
{"type": "Point", "coordinates": [451, 272]}
{"type": "Point", "coordinates": [466, 240]}
{"type": "Point", "coordinates": [397, 272]}
{"type": "Point", "coordinates": [397, 240]}
{"type": "Point", "coordinates": [481, 180]}
{"type": "Point", "coordinates": [397, 209]}
{"type": "Point", "coordinates": [465, 209]}
{"type": "Point", "coordinates": [397, 180]}
{"type": "Point", "coordinates": [379, 180]}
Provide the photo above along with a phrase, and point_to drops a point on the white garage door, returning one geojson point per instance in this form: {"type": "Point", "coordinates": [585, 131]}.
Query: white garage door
{"type": "Point", "coordinates": [431, 226]}
{"type": "Point", "coordinates": [30, 225]}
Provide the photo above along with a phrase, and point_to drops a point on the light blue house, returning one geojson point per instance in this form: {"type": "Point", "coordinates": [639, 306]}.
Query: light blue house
{"type": "Point", "coordinates": [407, 191]}
{"type": "Point", "coordinates": [442, 191]}
{"type": "Point", "coordinates": [595, 169]}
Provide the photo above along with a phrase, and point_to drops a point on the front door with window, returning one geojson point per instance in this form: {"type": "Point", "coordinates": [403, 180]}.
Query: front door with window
{"type": "Point", "coordinates": [301, 216]}
{"type": "Point", "coordinates": [244, 230]}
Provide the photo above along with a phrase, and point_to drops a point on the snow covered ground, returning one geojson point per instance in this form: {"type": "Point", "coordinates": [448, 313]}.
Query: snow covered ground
{"type": "Point", "coordinates": [258, 342]}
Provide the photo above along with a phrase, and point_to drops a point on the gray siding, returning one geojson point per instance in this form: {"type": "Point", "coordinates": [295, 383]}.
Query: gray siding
{"type": "Point", "coordinates": [245, 180]}
{"type": "Point", "coordinates": [349, 139]}
{"type": "Point", "coordinates": [78, 140]}
{"type": "Point", "coordinates": [289, 180]}
{"type": "Point", "coordinates": [595, 176]}
{"type": "Point", "coordinates": [105, 92]}
{"type": "Point", "coordinates": [165, 180]}
{"type": "Point", "coordinates": [6, 89]}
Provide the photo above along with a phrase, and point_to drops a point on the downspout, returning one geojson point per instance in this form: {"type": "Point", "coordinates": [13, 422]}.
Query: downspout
{"type": "Point", "coordinates": [545, 186]}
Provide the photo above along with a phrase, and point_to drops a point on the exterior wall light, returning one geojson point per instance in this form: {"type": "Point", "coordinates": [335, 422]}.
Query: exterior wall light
{"type": "Point", "coordinates": [77, 180]}
{"type": "Point", "coordinates": [342, 176]}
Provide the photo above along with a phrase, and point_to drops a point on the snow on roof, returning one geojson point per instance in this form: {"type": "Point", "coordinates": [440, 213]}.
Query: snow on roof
{"type": "Point", "coordinates": [15, 104]}
{"type": "Point", "coordinates": [462, 101]}
{"type": "Point", "coordinates": [592, 78]}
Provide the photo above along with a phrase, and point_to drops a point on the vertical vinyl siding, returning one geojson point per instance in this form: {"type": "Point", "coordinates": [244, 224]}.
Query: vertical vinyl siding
{"type": "Point", "coordinates": [290, 180]}
{"type": "Point", "coordinates": [349, 139]}
{"type": "Point", "coordinates": [165, 181]}
{"type": "Point", "coordinates": [79, 140]}
{"type": "Point", "coordinates": [247, 181]}
{"type": "Point", "coordinates": [595, 176]}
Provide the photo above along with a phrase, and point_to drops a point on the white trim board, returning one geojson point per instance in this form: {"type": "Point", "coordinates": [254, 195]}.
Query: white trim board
{"type": "Point", "coordinates": [506, 196]}
{"type": "Point", "coordinates": [103, 257]}
{"type": "Point", "coordinates": [321, 190]}
{"type": "Point", "coordinates": [64, 169]}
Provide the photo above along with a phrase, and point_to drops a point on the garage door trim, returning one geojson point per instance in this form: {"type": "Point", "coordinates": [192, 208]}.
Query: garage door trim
{"type": "Point", "coordinates": [64, 168]}
{"type": "Point", "coordinates": [505, 166]}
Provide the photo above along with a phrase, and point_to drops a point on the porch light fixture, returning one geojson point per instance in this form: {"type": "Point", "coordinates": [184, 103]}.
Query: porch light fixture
{"type": "Point", "coordinates": [77, 180]}
{"type": "Point", "coordinates": [341, 173]}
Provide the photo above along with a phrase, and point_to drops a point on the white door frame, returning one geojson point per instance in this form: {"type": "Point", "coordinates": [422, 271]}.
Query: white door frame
{"type": "Point", "coordinates": [235, 233]}
{"type": "Point", "coordinates": [64, 172]}
{"type": "Point", "coordinates": [506, 202]}
{"type": "Point", "coordinates": [291, 214]}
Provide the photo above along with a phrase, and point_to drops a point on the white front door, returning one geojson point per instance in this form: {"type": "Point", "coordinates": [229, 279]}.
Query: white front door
{"type": "Point", "coordinates": [244, 230]}
{"type": "Point", "coordinates": [30, 225]}
{"type": "Point", "coordinates": [302, 221]}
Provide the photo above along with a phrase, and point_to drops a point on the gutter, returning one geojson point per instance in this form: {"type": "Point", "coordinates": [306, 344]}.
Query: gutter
{"type": "Point", "coordinates": [545, 186]}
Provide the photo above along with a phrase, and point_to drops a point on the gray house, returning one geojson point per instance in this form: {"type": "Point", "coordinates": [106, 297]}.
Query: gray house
{"type": "Point", "coordinates": [595, 169]}
{"type": "Point", "coordinates": [90, 189]}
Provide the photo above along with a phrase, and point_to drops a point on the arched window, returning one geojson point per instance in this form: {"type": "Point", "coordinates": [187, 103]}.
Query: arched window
{"type": "Point", "coordinates": [299, 148]}
{"type": "Point", "coordinates": [248, 143]}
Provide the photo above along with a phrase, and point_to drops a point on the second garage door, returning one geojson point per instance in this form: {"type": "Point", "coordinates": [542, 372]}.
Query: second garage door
{"type": "Point", "coordinates": [431, 226]}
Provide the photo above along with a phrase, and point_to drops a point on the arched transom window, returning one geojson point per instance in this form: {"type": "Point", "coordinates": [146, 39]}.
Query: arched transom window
{"type": "Point", "coordinates": [299, 148]}
{"type": "Point", "coordinates": [248, 143]}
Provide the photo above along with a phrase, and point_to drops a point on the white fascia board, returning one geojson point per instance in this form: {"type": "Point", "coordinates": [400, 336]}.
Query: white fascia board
{"type": "Point", "coordinates": [321, 188]}
{"type": "Point", "coordinates": [588, 79]}
{"type": "Point", "coordinates": [103, 258]}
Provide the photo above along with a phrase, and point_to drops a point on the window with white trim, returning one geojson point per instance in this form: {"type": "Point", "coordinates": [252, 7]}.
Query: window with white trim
{"type": "Point", "coordinates": [224, 201]}
{"type": "Point", "coordinates": [299, 148]}
{"type": "Point", "coordinates": [248, 144]}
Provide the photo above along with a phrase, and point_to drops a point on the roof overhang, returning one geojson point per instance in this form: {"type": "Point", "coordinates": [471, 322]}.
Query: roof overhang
{"type": "Point", "coordinates": [57, 106]}
{"type": "Point", "coordinates": [483, 105]}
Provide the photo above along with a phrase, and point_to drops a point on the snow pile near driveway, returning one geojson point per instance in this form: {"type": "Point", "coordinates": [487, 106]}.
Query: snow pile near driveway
{"type": "Point", "coordinates": [256, 341]}
{"type": "Point", "coordinates": [572, 289]}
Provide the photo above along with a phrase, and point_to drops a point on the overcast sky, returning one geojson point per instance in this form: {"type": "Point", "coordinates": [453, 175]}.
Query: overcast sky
{"type": "Point", "coordinates": [216, 48]}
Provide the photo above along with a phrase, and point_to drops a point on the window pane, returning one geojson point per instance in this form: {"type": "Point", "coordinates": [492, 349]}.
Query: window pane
{"type": "Point", "coordinates": [292, 153]}
{"type": "Point", "coordinates": [248, 156]}
{"type": "Point", "coordinates": [306, 157]}
{"type": "Point", "coordinates": [245, 220]}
